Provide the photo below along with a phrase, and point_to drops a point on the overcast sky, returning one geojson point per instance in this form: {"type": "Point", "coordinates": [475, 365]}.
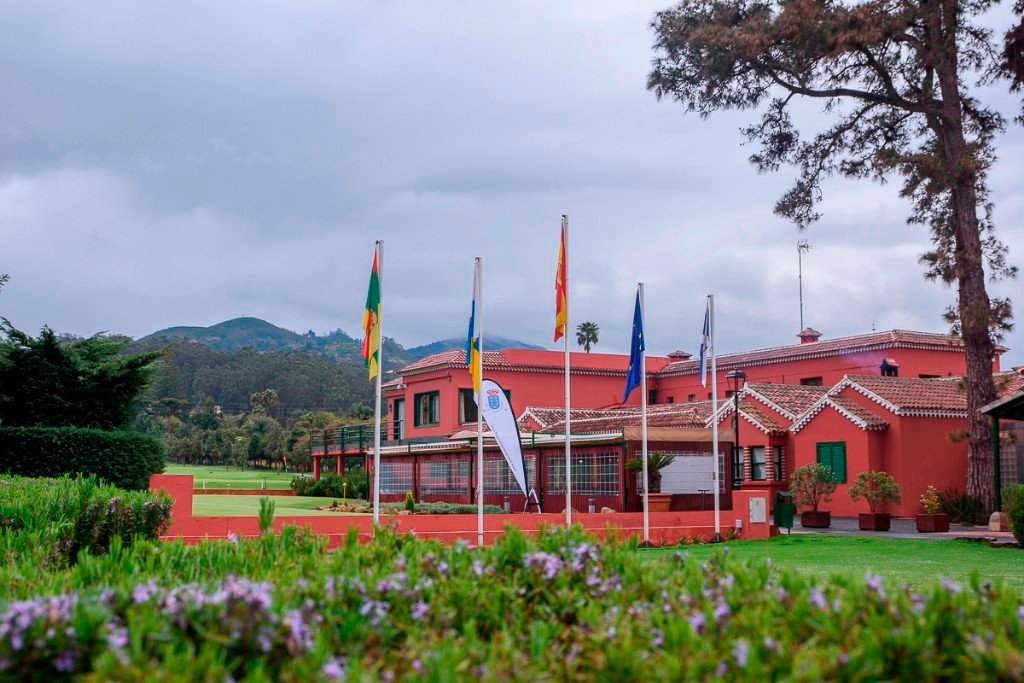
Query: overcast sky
{"type": "Point", "coordinates": [189, 162]}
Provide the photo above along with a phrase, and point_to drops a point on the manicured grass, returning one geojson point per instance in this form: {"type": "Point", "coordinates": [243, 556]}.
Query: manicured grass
{"type": "Point", "coordinates": [915, 562]}
{"type": "Point", "coordinates": [224, 478]}
{"type": "Point", "coordinates": [217, 505]}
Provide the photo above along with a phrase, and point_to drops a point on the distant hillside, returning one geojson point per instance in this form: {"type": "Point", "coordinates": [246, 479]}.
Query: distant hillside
{"type": "Point", "coordinates": [492, 344]}
{"type": "Point", "coordinates": [259, 335]}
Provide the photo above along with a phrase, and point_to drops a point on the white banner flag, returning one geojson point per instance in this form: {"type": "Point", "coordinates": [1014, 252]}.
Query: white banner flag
{"type": "Point", "coordinates": [502, 422]}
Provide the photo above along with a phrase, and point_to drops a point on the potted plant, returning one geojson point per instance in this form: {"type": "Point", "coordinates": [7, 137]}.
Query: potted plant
{"type": "Point", "coordinates": [931, 518]}
{"type": "Point", "coordinates": [877, 488]}
{"type": "Point", "coordinates": [656, 462]}
{"type": "Point", "coordinates": [811, 485]}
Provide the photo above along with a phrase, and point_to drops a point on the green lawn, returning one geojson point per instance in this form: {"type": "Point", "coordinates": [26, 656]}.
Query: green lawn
{"type": "Point", "coordinates": [205, 506]}
{"type": "Point", "coordinates": [224, 478]}
{"type": "Point", "coordinates": [901, 560]}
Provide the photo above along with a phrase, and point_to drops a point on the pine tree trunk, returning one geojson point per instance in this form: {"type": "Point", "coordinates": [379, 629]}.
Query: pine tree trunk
{"type": "Point", "coordinates": [969, 271]}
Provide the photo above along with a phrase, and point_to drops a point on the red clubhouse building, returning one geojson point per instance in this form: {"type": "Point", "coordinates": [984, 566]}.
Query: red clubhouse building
{"type": "Point", "coordinates": [891, 401]}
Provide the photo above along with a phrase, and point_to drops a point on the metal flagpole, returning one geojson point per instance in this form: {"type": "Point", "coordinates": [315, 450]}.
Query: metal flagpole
{"type": "Point", "coordinates": [568, 430]}
{"type": "Point", "coordinates": [380, 372]}
{"type": "Point", "coordinates": [714, 413]}
{"type": "Point", "coordinates": [643, 418]}
{"type": "Point", "coordinates": [479, 405]}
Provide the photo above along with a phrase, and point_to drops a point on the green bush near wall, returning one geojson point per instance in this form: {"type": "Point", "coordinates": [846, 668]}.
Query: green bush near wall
{"type": "Point", "coordinates": [123, 459]}
{"type": "Point", "coordinates": [1014, 503]}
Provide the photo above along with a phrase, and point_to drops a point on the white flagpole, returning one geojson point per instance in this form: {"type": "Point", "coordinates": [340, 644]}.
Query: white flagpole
{"type": "Point", "coordinates": [643, 418]}
{"type": "Point", "coordinates": [568, 430]}
{"type": "Point", "coordinates": [380, 371]}
{"type": "Point", "coordinates": [479, 405]}
{"type": "Point", "coordinates": [714, 414]}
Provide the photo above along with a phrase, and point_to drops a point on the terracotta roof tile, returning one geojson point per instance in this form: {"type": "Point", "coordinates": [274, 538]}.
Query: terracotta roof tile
{"type": "Point", "coordinates": [908, 395]}
{"type": "Point", "coordinates": [534, 360]}
{"type": "Point", "coordinates": [671, 415]}
{"type": "Point", "coordinates": [827, 347]}
{"type": "Point", "coordinates": [789, 399]}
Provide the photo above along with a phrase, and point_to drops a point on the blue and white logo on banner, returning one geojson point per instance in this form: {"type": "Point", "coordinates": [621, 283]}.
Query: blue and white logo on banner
{"type": "Point", "coordinates": [497, 413]}
{"type": "Point", "coordinates": [493, 400]}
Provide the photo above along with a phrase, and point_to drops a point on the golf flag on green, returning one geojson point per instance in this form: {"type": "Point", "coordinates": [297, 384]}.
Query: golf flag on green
{"type": "Point", "coordinates": [371, 322]}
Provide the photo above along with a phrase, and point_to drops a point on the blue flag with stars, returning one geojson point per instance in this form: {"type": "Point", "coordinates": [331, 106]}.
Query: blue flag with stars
{"type": "Point", "coordinates": [636, 349]}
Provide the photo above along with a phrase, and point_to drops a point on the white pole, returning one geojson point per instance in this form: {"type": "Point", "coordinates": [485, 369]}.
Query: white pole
{"type": "Point", "coordinates": [380, 371]}
{"type": "Point", "coordinates": [643, 418]}
{"type": "Point", "coordinates": [714, 414]}
{"type": "Point", "coordinates": [479, 406]}
{"type": "Point", "coordinates": [568, 407]}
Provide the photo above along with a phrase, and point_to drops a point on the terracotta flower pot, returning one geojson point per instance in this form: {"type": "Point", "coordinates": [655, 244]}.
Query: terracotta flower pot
{"type": "Point", "coordinates": [874, 521]}
{"type": "Point", "coordinates": [932, 523]}
{"type": "Point", "coordinates": [816, 519]}
{"type": "Point", "coordinates": [659, 502]}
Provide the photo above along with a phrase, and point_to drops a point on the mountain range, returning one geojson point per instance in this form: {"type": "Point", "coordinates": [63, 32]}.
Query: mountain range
{"type": "Point", "coordinates": [260, 335]}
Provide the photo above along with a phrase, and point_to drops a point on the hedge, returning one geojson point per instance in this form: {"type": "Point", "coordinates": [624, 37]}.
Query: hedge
{"type": "Point", "coordinates": [123, 459]}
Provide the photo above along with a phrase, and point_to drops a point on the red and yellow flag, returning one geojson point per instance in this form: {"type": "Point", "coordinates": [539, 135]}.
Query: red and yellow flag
{"type": "Point", "coordinates": [560, 289]}
{"type": "Point", "coordinates": [371, 322]}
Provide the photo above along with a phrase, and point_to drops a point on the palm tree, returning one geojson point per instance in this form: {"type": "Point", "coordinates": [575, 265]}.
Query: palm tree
{"type": "Point", "coordinates": [586, 335]}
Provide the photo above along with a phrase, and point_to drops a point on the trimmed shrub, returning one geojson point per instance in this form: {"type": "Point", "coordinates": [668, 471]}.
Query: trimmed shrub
{"type": "Point", "coordinates": [122, 459]}
{"type": "Point", "coordinates": [1014, 504]}
{"type": "Point", "coordinates": [54, 519]}
{"type": "Point", "coordinates": [331, 485]}
{"type": "Point", "coordinates": [875, 487]}
{"type": "Point", "coordinates": [963, 508]}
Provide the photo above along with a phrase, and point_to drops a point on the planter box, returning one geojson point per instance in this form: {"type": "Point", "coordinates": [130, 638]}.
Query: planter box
{"type": "Point", "coordinates": [932, 523]}
{"type": "Point", "coordinates": [874, 521]}
{"type": "Point", "coordinates": [816, 519]}
{"type": "Point", "coordinates": [659, 502]}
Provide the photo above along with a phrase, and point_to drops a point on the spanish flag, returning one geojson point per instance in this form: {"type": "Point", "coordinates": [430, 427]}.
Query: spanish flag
{"type": "Point", "coordinates": [371, 322]}
{"type": "Point", "coordinates": [560, 288]}
{"type": "Point", "coordinates": [473, 336]}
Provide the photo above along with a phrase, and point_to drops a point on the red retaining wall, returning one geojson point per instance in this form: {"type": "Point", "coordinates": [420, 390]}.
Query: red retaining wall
{"type": "Point", "coordinates": [666, 528]}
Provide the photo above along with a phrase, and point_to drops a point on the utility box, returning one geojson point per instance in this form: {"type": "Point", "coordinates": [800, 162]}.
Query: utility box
{"type": "Point", "coordinates": [758, 510]}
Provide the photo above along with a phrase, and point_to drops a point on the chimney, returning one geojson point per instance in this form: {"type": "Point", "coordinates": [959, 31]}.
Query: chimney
{"type": "Point", "coordinates": [677, 356]}
{"type": "Point", "coordinates": [809, 335]}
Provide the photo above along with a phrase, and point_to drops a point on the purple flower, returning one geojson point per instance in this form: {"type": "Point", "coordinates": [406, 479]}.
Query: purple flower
{"type": "Point", "coordinates": [659, 638]}
{"type": "Point", "coordinates": [817, 598]}
{"type": "Point", "coordinates": [722, 613]}
{"type": "Point", "coordinates": [65, 661]}
{"type": "Point", "coordinates": [144, 592]}
{"type": "Point", "coordinates": [334, 669]}
{"type": "Point", "coordinates": [951, 586]}
{"type": "Point", "coordinates": [419, 610]}
{"type": "Point", "coordinates": [697, 622]}
{"type": "Point", "coordinates": [740, 651]}
{"type": "Point", "coordinates": [417, 666]}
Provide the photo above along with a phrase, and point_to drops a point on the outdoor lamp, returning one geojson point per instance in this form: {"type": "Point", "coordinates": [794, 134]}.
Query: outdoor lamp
{"type": "Point", "coordinates": [736, 379]}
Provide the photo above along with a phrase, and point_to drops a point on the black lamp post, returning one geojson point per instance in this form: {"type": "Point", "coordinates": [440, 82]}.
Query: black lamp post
{"type": "Point", "coordinates": [736, 379]}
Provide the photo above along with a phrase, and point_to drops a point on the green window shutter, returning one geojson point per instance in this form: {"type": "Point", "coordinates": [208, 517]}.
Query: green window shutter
{"type": "Point", "coordinates": [833, 456]}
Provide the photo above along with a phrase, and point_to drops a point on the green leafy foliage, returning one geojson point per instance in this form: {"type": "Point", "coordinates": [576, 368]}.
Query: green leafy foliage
{"type": "Point", "coordinates": [876, 487]}
{"type": "Point", "coordinates": [353, 484]}
{"type": "Point", "coordinates": [410, 502]}
{"type": "Point", "coordinates": [560, 606]}
{"type": "Point", "coordinates": [52, 520]}
{"type": "Point", "coordinates": [812, 484]}
{"type": "Point", "coordinates": [656, 462]}
{"type": "Point", "coordinates": [123, 459]}
{"type": "Point", "coordinates": [1014, 505]}
{"type": "Point", "coordinates": [963, 507]}
{"type": "Point", "coordinates": [266, 515]}
{"type": "Point", "coordinates": [47, 381]}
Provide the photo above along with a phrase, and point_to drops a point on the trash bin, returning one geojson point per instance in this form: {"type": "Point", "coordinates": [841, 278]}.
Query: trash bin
{"type": "Point", "coordinates": [784, 510]}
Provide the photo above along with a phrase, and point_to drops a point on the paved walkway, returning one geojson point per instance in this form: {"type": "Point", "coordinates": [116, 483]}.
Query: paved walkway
{"type": "Point", "coordinates": [904, 528]}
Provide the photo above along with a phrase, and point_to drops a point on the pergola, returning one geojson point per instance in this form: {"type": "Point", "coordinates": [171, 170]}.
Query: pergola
{"type": "Point", "coordinates": [1008, 408]}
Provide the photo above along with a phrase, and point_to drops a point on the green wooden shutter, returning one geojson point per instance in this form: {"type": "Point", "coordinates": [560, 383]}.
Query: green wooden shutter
{"type": "Point", "coordinates": [833, 455]}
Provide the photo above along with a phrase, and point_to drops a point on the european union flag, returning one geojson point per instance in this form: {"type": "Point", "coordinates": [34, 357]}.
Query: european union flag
{"type": "Point", "coordinates": [636, 349]}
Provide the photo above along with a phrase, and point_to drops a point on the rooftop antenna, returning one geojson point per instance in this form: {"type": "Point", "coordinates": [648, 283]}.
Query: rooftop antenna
{"type": "Point", "coordinates": [802, 247]}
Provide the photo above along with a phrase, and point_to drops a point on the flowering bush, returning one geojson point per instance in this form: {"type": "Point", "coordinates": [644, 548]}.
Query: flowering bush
{"type": "Point", "coordinates": [811, 485]}
{"type": "Point", "coordinates": [560, 606]}
{"type": "Point", "coordinates": [931, 501]}
{"type": "Point", "coordinates": [60, 517]}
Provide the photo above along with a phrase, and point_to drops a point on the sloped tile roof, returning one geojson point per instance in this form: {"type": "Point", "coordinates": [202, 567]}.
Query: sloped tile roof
{"type": "Point", "coordinates": [851, 410]}
{"type": "Point", "coordinates": [828, 347]}
{"type": "Point", "coordinates": [670, 415]}
{"type": "Point", "coordinates": [910, 396]}
{"type": "Point", "coordinates": [535, 360]}
{"type": "Point", "coordinates": [789, 399]}
{"type": "Point", "coordinates": [753, 413]}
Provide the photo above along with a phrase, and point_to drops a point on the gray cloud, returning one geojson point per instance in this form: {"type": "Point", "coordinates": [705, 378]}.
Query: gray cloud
{"type": "Point", "coordinates": [193, 162]}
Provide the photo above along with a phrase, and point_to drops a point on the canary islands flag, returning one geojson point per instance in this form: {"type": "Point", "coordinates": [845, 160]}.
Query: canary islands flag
{"type": "Point", "coordinates": [371, 322]}
{"type": "Point", "coordinates": [473, 336]}
{"type": "Point", "coordinates": [636, 350]}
